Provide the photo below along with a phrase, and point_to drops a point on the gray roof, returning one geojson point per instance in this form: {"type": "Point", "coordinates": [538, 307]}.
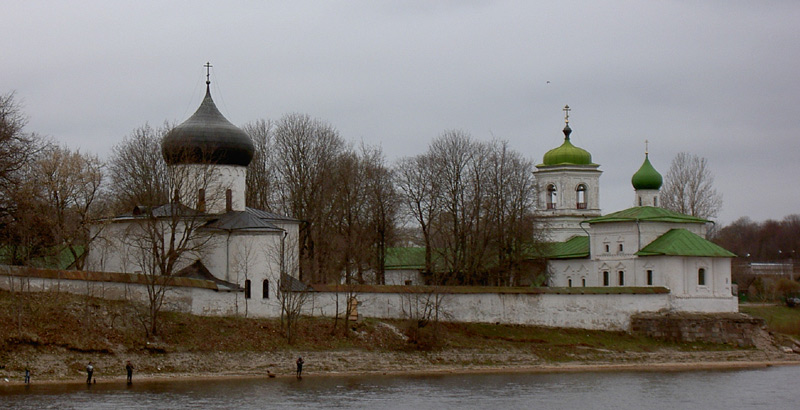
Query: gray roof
{"type": "Point", "coordinates": [207, 137]}
{"type": "Point", "coordinates": [293, 284]}
{"type": "Point", "coordinates": [270, 216]}
{"type": "Point", "coordinates": [198, 270]}
{"type": "Point", "coordinates": [241, 220]}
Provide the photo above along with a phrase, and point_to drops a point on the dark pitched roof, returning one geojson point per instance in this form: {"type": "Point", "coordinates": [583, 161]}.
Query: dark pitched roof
{"type": "Point", "coordinates": [270, 216]}
{"type": "Point", "coordinates": [240, 220]}
{"type": "Point", "coordinates": [199, 271]}
{"type": "Point", "coordinates": [293, 284]}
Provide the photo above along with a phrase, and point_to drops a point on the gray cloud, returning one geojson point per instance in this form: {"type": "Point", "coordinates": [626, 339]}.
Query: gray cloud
{"type": "Point", "coordinates": [717, 79]}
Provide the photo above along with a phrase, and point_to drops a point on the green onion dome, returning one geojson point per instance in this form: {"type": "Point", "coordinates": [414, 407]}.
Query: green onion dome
{"type": "Point", "coordinates": [646, 177]}
{"type": "Point", "coordinates": [567, 153]}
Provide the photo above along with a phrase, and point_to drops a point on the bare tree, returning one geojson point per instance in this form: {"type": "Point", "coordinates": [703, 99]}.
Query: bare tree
{"type": "Point", "coordinates": [382, 203]}
{"type": "Point", "coordinates": [22, 223]}
{"type": "Point", "coordinates": [244, 261]}
{"type": "Point", "coordinates": [70, 184]}
{"type": "Point", "coordinates": [137, 169]}
{"type": "Point", "coordinates": [164, 239]}
{"type": "Point", "coordinates": [511, 196]}
{"type": "Point", "coordinates": [418, 181]}
{"type": "Point", "coordinates": [306, 152]}
{"type": "Point", "coordinates": [689, 187]}
{"type": "Point", "coordinates": [292, 294]}
{"type": "Point", "coordinates": [262, 173]}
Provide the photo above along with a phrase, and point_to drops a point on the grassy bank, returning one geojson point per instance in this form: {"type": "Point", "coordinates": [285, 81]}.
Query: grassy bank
{"type": "Point", "coordinates": [86, 324]}
{"type": "Point", "coordinates": [780, 318]}
{"type": "Point", "coordinates": [57, 333]}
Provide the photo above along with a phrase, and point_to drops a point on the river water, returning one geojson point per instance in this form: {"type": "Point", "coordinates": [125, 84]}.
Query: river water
{"type": "Point", "coordinates": [769, 388]}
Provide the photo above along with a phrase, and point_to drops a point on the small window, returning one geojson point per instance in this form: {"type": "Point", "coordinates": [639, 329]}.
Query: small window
{"type": "Point", "coordinates": [655, 201]}
{"type": "Point", "coordinates": [605, 278]}
{"type": "Point", "coordinates": [640, 201]}
{"type": "Point", "coordinates": [409, 283]}
{"type": "Point", "coordinates": [620, 247]}
{"type": "Point", "coordinates": [583, 282]}
{"type": "Point", "coordinates": [569, 283]}
{"type": "Point", "coordinates": [621, 278]}
{"type": "Point", "coordinates": [701, 277]}
{"type": "Point", "coordinates": [228, 200]}
{"type": "Point", "coordinates": [265, 289]}
{"type": "Point", "coordinates": [608, 248]}
{"type": "Point", "coordinates": [247, 289]}
{"type": "Point", "coordinates": [650, 278]}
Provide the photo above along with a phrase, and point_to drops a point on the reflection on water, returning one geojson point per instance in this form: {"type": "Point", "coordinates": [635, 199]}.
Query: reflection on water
{"type": "Point", "coordinates": [770, 388]}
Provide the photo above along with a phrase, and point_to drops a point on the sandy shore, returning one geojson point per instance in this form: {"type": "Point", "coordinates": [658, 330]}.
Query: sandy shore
{"type": "Point", "coordinates": [61, 368]}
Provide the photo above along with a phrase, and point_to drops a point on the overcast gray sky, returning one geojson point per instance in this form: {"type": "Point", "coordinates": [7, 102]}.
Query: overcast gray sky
{"type": "Point", "coordinates": [719, 79]}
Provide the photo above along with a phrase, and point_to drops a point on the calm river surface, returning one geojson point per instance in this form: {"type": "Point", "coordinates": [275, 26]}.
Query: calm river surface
{"type": "Point", "coordinates": [769, 388]}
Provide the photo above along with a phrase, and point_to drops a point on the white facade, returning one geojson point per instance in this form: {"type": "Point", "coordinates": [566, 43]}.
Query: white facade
{"type": "Point", "coordinates": [215, 188]}
{"type": "Point", "coordinates": [567, 195]}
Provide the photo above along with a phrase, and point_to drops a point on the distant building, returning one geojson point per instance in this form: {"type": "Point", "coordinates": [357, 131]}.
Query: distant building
{"type": "Point", "coordinates": [642, 246]}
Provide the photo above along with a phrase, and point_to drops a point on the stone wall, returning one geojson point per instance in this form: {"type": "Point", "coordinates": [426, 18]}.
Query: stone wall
{"type": "Point", "coordinates": [726, 328]}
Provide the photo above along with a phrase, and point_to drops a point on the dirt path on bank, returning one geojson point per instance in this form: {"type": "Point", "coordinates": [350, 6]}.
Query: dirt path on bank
{"type": "Point", "coordinates": [70, 367]}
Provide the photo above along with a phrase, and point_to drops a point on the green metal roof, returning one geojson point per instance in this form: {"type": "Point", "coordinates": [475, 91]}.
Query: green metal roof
{"type": "Point", "coordinates": [646, 177]}
{"type": "Point", "coordinates": [647, 214]}
{"type": "Point", "coordinates": [567, 154]}
{"type": "Point", "coordinates": [405, 258]}
{"type": "Point", "coordinates": [575, 247]}
{"type": "Point", "coordinates": [680, 242]}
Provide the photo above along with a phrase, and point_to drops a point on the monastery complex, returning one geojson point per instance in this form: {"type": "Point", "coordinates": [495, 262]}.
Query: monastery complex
{"type": "Point", "coordinates": [603, 269]}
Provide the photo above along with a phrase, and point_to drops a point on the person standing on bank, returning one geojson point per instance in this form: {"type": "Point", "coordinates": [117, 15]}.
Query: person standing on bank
{"type": "Point", "coordinates": [300, 362]}
{"type": "Point", "coordinates": [27, 375]}
{"type": "Point", "coordinates": [89, 371]}
{"type": "Point", "coordinates": [129, 370]}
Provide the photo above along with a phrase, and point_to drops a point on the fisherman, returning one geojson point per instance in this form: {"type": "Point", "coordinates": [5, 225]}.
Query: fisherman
{"type": "Point", "coordinates": [300, 362]}
{"type": "Point", "coordinates": [129, 370]}
{"type": "Point", "coordinates": [89, 371]}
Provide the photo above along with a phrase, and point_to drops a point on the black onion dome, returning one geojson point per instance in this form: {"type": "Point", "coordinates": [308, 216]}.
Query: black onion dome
{"type": "Point", "coordinates": [207, 137]}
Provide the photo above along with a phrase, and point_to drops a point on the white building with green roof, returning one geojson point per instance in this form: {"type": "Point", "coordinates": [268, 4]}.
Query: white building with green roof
{"type": "Point", "coordinates": [643, 246]}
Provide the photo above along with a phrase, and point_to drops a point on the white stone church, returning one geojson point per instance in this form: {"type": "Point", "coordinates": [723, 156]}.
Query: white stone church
{"type": "Point", "coordinates": [642, 246]}
{"type": "Point", "coordinates": [244, 251]}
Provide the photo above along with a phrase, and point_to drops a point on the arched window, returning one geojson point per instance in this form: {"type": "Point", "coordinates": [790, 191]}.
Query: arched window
{"type": "Point", "coordinates": [655, 201]}
{"type": "Point", "coordinates": [228, 200]}
{"type": "Point", "coordinates": [605, 278]}
{"type": "Point", "coordinates": [551, 196]}
{"type": "Point", "coordinates": [621, 278]}
{"type": "Point", "coordinates": [265, 289]}
{"type": "Point", "coordinates": [569, 283]}
{"type": "Point", "coordinates": [650, 278]}
{"type": "Point", "coordinates": [583, 282]}
{"type": "Point", "coordinates": [701, 277]}
{"type": "Point", "coordinates": [581, 196]}
{"type": "Point", "coordinates": [247, 289]}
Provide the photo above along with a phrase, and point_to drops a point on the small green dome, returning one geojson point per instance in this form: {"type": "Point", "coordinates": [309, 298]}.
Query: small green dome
{"type": "Point", "coordinates": [567, 153]}
{"type": "Point", "coordinates": [646, 177]}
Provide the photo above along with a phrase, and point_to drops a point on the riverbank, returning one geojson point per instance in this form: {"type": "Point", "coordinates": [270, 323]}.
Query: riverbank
{"type": "Point", "coordinates": [55, 335]}
{"type": "Point", "coordinates": [68, 367]}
